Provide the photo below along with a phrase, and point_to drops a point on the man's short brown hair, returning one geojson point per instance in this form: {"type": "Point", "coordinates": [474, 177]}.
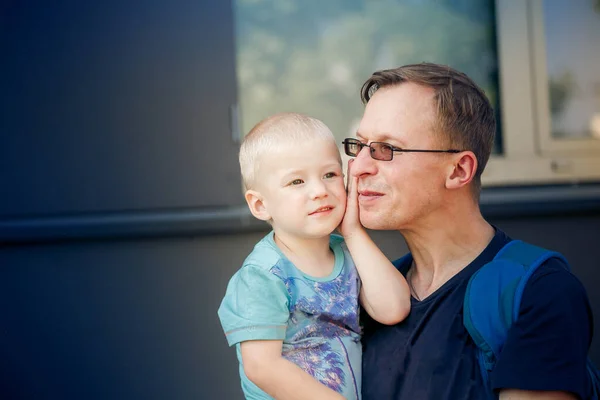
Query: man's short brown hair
{"type": "Point", "coordinates": [464, 116]}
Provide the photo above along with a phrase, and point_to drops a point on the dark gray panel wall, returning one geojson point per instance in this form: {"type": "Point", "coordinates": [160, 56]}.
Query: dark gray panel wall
{"type": "Point", "coordinates": [137, 319]}
{"type": "Point", "coordinates": [116, 105]}
{"type": "Point", "coordinates": [117, 320]}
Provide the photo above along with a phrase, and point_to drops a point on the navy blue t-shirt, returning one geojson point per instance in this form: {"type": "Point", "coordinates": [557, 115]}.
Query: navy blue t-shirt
{"type": "Point", "coordinates": [430, 354]}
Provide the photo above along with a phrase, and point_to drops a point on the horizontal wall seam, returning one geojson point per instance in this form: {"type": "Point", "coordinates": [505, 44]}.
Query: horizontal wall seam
{"type": "Point", "coordinates": [495, 202]}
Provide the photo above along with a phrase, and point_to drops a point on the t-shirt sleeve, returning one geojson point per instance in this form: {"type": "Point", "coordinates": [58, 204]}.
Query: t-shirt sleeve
{"type": "Point", "coordinates": [255, 306]}
{"type": "Point", "coordinates": [546, 348]}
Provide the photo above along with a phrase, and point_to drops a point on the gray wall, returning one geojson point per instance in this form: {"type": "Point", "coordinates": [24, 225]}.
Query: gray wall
{"type": "Point", "coordinates": [109, 106]}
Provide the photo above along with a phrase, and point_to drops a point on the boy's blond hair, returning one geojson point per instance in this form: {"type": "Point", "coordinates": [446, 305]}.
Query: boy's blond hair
{"type": "Point", "coordinates": [273, 133]}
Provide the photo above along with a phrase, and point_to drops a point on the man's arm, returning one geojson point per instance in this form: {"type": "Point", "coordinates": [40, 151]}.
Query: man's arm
{"type": "Point", "coordinates": [280, 378]}
{"type": "Point", "coordinates": [384, 293]}
{"type": "Point", "coordinates": [512, 394]}
{"type": "Point", "coordinates": [546, 347]}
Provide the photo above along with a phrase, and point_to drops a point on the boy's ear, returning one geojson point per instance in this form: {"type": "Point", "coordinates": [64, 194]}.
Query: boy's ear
{"type": "Point", "coordinates": [257, 205]}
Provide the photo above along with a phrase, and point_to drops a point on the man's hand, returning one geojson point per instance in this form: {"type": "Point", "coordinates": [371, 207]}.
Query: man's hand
{"type": "Point", "coordinates": [351, 222]}
{"type": "Point", "coordinates": [511, 394]}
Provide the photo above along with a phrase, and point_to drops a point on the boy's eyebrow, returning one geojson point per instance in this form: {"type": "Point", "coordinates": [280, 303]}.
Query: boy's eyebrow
{"type": "Point", "coordinates": [286, 175]}
{"type": "Point", "coordinates": [291, 172]}
{"type": "Point", "coordinates": [299, 171]}
{"type": "Point", "coordinates": [331, 164]}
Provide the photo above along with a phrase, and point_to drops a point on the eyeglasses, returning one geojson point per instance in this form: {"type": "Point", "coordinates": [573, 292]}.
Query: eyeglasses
{"type": "Point", "coordinates": [383, 151]}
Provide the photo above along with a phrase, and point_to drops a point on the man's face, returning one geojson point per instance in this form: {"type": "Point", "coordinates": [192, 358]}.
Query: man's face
{"type": "Point", "coordinates": [406, 191]}
{"type": "Point", "coordinates": [303, 189]}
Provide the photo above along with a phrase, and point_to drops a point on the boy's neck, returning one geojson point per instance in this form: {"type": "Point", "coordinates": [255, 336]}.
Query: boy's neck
{"type": "Point", "coordinates": [314, 257]}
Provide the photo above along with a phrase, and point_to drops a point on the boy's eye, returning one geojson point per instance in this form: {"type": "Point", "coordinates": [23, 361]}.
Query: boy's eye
{"type": "Point", "coordinates": [330, 175]}
{"type": "Point", "coordinates": [296, 182]}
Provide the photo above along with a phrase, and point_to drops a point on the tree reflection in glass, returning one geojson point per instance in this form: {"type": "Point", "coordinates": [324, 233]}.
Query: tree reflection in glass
{"type": "Point", "coordinates": [312, 56]}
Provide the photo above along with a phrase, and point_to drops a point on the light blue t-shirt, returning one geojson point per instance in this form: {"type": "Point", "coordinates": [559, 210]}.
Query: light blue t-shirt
{"type": "Point", "coordinates": [317, 318]}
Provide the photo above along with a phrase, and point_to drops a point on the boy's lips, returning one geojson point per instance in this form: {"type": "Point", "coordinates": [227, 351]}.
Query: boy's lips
{"type": "Point", "coordinates": [321, 210]}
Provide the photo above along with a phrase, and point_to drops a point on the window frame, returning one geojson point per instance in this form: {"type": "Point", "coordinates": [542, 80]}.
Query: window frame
{"type": "Point", "coordinates": [548, 143]}
{"type": "Point", "coordinates": [531, 156]}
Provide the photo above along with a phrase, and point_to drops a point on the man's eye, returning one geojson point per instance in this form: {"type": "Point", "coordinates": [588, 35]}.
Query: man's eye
{"type": "Point", "coordinates": [386, 148]}
{"type": "Point", "coordinates": [296, 182]}
{"type": "Point", "coordinates": [356, 146]}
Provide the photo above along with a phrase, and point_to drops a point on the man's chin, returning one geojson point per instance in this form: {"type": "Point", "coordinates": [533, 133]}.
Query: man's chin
{"type": "Point", "coordinates": [373, 222]}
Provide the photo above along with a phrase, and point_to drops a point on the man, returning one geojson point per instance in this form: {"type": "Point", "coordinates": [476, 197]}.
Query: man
{"type": "Point", "coordinates": [421, 147]}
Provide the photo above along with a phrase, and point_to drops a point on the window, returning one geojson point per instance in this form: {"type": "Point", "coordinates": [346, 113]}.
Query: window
{"type": "Point", "coordinates": [572, 37]}
{"type": "Point", "coordinates": [567, 38]}
{"type": "Point", "coordinates": [549, 83]}
{"type": "Point", "coordinates": [313, 56]}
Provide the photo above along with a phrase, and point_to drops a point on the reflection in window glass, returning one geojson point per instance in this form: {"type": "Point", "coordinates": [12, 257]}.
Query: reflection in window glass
{"type": "Point", "coordinates": [572, 31]}
{"type": "Point", "coordinates": [312, 56]}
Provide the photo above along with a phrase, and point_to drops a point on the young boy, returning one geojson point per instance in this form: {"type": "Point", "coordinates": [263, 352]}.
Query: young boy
{"type": "Point", "coordinates": [292, 310]}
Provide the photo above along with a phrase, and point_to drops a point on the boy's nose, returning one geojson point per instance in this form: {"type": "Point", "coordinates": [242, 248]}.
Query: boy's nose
{"type": "Point", "coordinates": [317, 190]}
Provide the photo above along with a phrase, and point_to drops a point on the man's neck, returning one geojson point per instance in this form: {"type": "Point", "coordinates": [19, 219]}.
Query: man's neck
{"type": "Point", "coordinates": [440, 253]}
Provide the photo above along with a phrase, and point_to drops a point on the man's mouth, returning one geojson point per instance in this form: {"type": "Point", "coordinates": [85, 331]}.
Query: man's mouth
{"type": "Point", "coordinates": [366, 196]}
{"type": "Point", "coordinates": [369, 193]}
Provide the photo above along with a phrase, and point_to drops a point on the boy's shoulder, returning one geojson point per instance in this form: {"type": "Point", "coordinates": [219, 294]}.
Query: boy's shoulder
{"type": "Point", "coordinates": [265, 254]}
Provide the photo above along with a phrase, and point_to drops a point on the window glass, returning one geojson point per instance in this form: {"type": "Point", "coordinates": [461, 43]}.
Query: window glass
{"type": "Point", "coordinates": [313, 56]}
{"type": "Point", "coordinates": [572, 32]}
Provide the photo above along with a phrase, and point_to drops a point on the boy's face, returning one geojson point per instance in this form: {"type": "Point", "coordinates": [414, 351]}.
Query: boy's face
{"type": "Point", "coordinates": [302, 188]}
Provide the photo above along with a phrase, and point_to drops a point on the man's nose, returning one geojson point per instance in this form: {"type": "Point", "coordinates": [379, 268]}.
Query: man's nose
{"type": "Point", "coordinates": [363, 164]}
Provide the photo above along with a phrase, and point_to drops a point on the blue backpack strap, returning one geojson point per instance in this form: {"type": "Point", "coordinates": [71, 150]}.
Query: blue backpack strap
{"type": "Point", "coordinates": [594, 376]}
{"type": "Point", "coordinates": [530, 257]}
{"type": "Point", "coordinates": [493, 298]}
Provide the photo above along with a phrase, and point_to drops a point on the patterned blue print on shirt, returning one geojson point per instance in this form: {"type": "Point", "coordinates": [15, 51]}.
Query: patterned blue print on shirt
{"type": "Point", "coordinates": [322, 316]}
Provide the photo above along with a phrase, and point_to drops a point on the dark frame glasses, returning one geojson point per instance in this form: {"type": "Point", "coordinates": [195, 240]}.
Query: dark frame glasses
{"type": "Point", "coordinates": [383, 151]}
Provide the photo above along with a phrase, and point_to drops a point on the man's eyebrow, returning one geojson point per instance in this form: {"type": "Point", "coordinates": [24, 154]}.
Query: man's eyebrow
{"type": "Point", "coordinates": [380, 137]}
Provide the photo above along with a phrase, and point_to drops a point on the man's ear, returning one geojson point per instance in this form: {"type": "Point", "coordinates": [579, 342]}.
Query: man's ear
{"type": "Point", "coordinates": [257, 205]}
{"type": "Point", "coordinates": [462, 170]}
